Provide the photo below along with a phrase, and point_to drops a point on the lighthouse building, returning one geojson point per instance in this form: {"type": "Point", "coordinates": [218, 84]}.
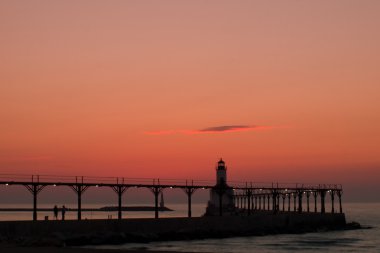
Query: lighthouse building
{"type": "Point", "coordinates": [221, 194]}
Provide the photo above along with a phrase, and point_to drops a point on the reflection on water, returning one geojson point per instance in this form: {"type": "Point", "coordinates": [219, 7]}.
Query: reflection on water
{"type": "Point", "coordinates": [365, 240]}
{"type": "Point", "coordinates": [180, 210]}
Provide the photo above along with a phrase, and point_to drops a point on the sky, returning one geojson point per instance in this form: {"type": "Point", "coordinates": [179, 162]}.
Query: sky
{"type": "Point", "coordinates": [284, 91]}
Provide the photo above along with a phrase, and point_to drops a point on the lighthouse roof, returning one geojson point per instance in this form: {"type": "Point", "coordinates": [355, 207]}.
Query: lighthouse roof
{"type": "Point", "coordinates": [221, 165]}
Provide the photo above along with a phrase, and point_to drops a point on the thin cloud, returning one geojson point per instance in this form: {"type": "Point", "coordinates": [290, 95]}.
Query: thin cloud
{"type": "Point", "coordinates": [212, 130]}
{"type": "Point", "coordinates": [232, 128]}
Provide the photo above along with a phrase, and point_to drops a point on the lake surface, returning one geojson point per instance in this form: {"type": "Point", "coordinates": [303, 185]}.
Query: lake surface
{"type": "Point", "coordinates": [180, 210]}
{"type": "Point", "coordinates": [364, 240]}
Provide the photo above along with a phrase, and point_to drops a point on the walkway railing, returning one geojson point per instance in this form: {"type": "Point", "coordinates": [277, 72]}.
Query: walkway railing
{"type": "Point", "coordinates": [248, 196]}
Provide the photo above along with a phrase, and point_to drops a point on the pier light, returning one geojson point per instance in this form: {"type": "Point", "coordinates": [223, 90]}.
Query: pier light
{"type": "Point", "coordinates": [304, 192]}
{"type": "Point", "coordinates": [171, 187]}
{"type": "Point", "coordinates": [286, 190]}
{"type": "Point", "coordinates": [261, 189]}
{"type": "Point", "coordinates": [203, 188]}
{"type": "Point", "coordinates": [6, 184]}
{"type": "Point", "coordinates": [97, 185]}
{"type": "Point", "coordinates": [54, 185]}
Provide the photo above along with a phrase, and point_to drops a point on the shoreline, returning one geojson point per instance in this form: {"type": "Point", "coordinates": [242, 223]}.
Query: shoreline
{"type": "Point", "coordinates": [101, 232]}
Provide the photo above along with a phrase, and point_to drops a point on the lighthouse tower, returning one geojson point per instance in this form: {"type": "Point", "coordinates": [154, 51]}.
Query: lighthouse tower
{"type": "Point", "coordinates": [221, 173]}
{"type": "Point", "coordinates": [221, 193]}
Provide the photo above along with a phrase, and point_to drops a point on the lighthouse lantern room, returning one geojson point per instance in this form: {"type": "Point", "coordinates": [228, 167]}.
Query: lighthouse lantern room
{"type": "Point", "coordinates": [221, 173]}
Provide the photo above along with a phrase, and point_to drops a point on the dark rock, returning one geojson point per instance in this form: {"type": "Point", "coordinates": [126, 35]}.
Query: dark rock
{"type": "Point", "coordinates": [353, 225]}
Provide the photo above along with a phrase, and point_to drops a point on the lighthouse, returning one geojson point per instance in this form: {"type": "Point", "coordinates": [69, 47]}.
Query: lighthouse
{"type": "Point", "coordinates": [221, 195]}
{"type": "Point", "coordinates": [221, 173]}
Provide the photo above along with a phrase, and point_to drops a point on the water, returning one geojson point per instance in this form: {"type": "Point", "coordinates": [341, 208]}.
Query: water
{"type": "Point", "coordinates": [364, 240]}
{"type": "Point", "coordinates": [180, 210]}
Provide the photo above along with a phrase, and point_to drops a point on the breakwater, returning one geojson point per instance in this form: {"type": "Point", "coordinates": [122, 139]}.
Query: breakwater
{"type": "Point", "coordinates": [95, 232]}
{"type": "Point", "coordinates": [101, 209]}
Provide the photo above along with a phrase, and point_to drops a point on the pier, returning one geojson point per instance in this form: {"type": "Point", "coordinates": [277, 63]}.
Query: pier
{"type": "Point", "coordinates": [278, 198]}
{"type": "Point", "coordinates": [248, 197]}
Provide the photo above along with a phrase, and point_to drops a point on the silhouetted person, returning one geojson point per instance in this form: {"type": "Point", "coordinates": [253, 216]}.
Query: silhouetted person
{"type": "Point", "coordinates": [63, 212]}
{"type": "Point", "coordinates": [55, 210]}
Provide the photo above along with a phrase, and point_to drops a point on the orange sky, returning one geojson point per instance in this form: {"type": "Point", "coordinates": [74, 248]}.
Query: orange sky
{"type": "Point", "coordinates": [282, 90]}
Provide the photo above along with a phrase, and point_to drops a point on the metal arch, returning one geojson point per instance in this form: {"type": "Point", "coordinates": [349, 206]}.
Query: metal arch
{"type": "Point", "coordinates": [79, 188]}
{"type": "Point", "coordinates": [37, 190]}
{"type": "Point", "coordinates": [189, 189]}
{"type": "Point", "coordinates": [123, 188]}
{"type": "Point", "coordinates": [156, 189]}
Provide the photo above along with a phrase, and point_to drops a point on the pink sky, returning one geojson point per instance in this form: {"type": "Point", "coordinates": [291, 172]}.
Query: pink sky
{"type": "Point", "coordinates": [83, 83]}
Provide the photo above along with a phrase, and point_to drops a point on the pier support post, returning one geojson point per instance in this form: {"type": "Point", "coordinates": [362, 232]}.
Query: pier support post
{"type": "Point", "coordinates": [119, 189]}
{"type": "Point", "coordinates": [300, 193]}
{"type": "Point", "coordinates": [79, 188]}
{"type": "Point", "coordinates": [295, 201]}
{"type": "Point", "coordinates": [283, 202]}
{"type": "Point", "coordinates": [323, 195]}
{"type": "Point", "coordinates": [35, 188]}
{"type": "Point", "coordinates": [268, 202]}
{"type": "Point", "coordinates": [249, 195]}
{"type": "Point", "coordinates": [332, 194]}
{"type": "Point", "coordinates": [259, 202]}
{"type": "Point", "coordinates": [274, 201]}
{"type": "Point", "coordinates": [156, 190]}
{"type": "Point", "coordinates": [264, 201]}
{"type": "Point", "coordinates": [189, 192]}
{"type": "Point", "coordinates": [315, 194]}
{"type": "Point", "coordinates": [255, 202]}
{"type": "Point", "coordinates": [288, 202]}
{"type": "Point", "coordinates": [339, 193]}
{"type": "Point", "coordinates": [308, 201]}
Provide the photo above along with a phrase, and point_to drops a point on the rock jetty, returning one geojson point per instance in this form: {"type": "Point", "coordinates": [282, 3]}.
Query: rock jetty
{"type": "Point", "coordinates": [95, 232]}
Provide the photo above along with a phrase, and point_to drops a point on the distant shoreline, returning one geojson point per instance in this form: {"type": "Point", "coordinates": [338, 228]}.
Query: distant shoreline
{"type": "Point", "coordinates": [101, 209]}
